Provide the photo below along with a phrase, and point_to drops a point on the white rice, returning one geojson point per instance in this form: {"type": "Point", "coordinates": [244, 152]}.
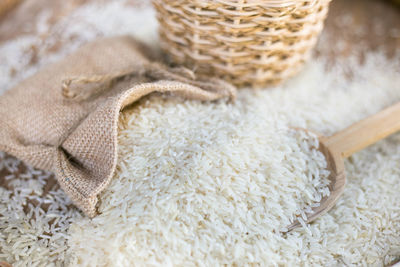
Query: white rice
{"type": "Point", "coordinates": [206, 183]}
{"type": "Point", "coordinates": [192, 180]}
{"type": "Point", "coordinates": [32, 236]}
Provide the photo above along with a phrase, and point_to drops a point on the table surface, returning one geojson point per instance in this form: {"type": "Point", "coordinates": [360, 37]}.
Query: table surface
{"type": "Point", "coordinates": [380, 20]}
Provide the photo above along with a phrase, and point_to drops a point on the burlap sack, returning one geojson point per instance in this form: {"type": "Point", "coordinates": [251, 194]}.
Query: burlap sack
{"type": "Point", "coordinates": [65, 117]}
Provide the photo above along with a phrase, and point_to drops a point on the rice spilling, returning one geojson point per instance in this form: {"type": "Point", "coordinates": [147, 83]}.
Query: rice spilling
{"type": "Point", "coordinates": [197, 186]}
{"type": "Point", "coordinates": [209, 175]}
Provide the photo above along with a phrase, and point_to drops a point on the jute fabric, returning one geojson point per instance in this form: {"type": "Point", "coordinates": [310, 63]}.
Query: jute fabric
{"type": "Point", "coordinates": [65, 117]}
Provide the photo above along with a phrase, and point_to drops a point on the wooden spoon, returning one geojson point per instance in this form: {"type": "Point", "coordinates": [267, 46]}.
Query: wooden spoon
{"type": "Point", "coordinates": [344, 144]}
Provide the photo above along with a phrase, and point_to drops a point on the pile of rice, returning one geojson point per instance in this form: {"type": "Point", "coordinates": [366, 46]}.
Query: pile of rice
{"type": "Point", "coordinates": [203, 183]}
{"type": "Point", "coordinates": [211, 184]}
{"type": "Point", "coordinates": [206, 184]}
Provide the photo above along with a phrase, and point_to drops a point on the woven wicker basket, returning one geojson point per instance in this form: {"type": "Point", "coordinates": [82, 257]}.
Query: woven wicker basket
{"type": "Point", "coordinates": [247, 42]}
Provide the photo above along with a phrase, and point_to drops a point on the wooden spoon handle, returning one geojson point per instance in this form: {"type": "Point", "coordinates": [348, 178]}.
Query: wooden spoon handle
{"type": "Point", "coordinates": [366, 132]}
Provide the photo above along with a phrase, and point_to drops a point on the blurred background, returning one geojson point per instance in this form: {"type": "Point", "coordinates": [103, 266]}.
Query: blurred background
{"type": "Point", "coordinates": [355, 25]}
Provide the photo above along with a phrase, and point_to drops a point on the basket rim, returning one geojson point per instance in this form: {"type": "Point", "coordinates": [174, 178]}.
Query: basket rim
{"type": "Point", "coordinates": [252, 3]}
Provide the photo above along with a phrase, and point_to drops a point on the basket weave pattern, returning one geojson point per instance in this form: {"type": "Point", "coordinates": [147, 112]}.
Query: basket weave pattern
{"type": "Point", "coordinates": [247, 42]}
